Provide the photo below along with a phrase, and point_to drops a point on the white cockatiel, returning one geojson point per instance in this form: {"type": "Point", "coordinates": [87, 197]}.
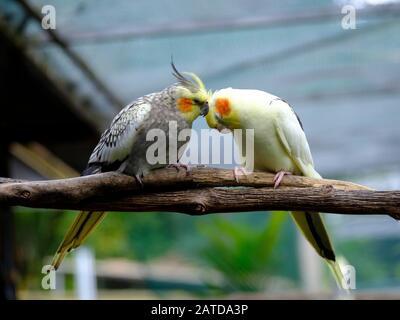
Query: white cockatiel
{"type": "Point", "coordinates": [280, 146]}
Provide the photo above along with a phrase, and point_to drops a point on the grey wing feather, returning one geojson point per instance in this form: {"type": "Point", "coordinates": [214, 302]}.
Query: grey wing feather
{"type": "Point", "coordinates": [116, 142]}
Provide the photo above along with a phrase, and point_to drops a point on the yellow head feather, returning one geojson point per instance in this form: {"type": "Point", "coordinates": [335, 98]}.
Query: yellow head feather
{"type": "Point", "coordinates": [222, 112]}
{"type": "Point", "coordinates": [192, 95]}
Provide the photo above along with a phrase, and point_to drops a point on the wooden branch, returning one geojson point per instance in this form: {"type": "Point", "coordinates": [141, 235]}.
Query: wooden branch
{"type": "Point", "coordinates": [200, 191]}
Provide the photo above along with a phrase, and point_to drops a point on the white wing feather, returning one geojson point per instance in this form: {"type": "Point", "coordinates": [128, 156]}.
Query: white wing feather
{"type": "Point", "coordinates": [294, 140]}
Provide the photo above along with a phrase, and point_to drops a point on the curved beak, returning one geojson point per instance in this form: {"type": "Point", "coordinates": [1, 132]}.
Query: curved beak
{"type": "Point", "coordinates": [204, 109]}
{"type": "Point", "coordinates": [221, 123]}
{"type": "Point", "coordinates": [218, 118]}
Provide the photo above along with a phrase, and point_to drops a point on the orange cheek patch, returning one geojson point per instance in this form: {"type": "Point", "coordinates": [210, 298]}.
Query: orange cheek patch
{"type": "Point", "coordinates": [222, 106]}
{"type": "Point", "coordinates": [185, 104]}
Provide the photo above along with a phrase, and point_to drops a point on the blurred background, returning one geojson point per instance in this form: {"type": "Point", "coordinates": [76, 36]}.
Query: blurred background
{"type": "Point", "coordinates": [61, 87]}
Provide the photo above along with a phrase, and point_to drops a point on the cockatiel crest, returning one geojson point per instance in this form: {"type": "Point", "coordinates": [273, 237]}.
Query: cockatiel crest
{"type": "Point", "coordinates": [123, 146]}
{"type": "Point", "coordinates": [193, 94]}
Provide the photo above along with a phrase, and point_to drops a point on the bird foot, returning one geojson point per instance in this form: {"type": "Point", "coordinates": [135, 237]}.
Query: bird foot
{"type": "Point", "coordinates": [139, 181]}
{"type": "Point", "coordinates": [278, 178]}
{"type": "Point", "coordinates": [177, 166]}
{"type": "Point", "coordinates": [240, 171]}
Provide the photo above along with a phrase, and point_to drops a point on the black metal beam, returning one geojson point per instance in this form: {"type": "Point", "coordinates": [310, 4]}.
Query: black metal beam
{"type": "Point", "coordinates": [7, 237]}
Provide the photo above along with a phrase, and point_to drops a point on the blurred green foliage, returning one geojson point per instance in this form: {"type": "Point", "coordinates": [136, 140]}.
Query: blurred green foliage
{"type": "Point", "coordinates": [145, 236]}
{"type": "Point", "coordinates": [247, 249]}
{"type": "Point", "coordinates": [37, 235]}
{"type": "Point", "coordinates": [132, 235]}
{"type": "Point", "coordinates": [377, 261]}
{"type": "Point", "coordinates": [139, 236]}
{"type": "Point", "coordinates": [241, 252]}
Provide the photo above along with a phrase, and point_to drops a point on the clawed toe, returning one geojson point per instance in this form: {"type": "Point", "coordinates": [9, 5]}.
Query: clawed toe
{"type": "Point", "coordinates": [240, 171]}
{"type": "Point", "coordinates": [278, 178]}
{"type": "Point", "coordinates": [139, 181]}
{"type": "Point", "coordinates": [177, 166]}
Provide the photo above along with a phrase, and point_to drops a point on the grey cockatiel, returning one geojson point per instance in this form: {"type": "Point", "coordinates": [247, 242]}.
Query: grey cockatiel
{"type": "Point", "coordinates": [122, 147]}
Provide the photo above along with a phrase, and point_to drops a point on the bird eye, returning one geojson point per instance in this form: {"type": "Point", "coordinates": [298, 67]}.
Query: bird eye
{"type": "Point", "coordinates": [196, 101]}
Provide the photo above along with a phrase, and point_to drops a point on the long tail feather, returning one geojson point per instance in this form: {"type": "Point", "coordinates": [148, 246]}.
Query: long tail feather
{"type": "Point", "coordinates": [82, 226]}
{"type": "Point", "coordinates": [339, 277]}
{"type": "Point", "coordinates": [313, 228]}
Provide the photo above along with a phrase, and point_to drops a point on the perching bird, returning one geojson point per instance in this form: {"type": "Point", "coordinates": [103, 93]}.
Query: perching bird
{"type": "Point", "coordinates": [280, 146]}
{"type": "Point", "coordinates": [122, 147]}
